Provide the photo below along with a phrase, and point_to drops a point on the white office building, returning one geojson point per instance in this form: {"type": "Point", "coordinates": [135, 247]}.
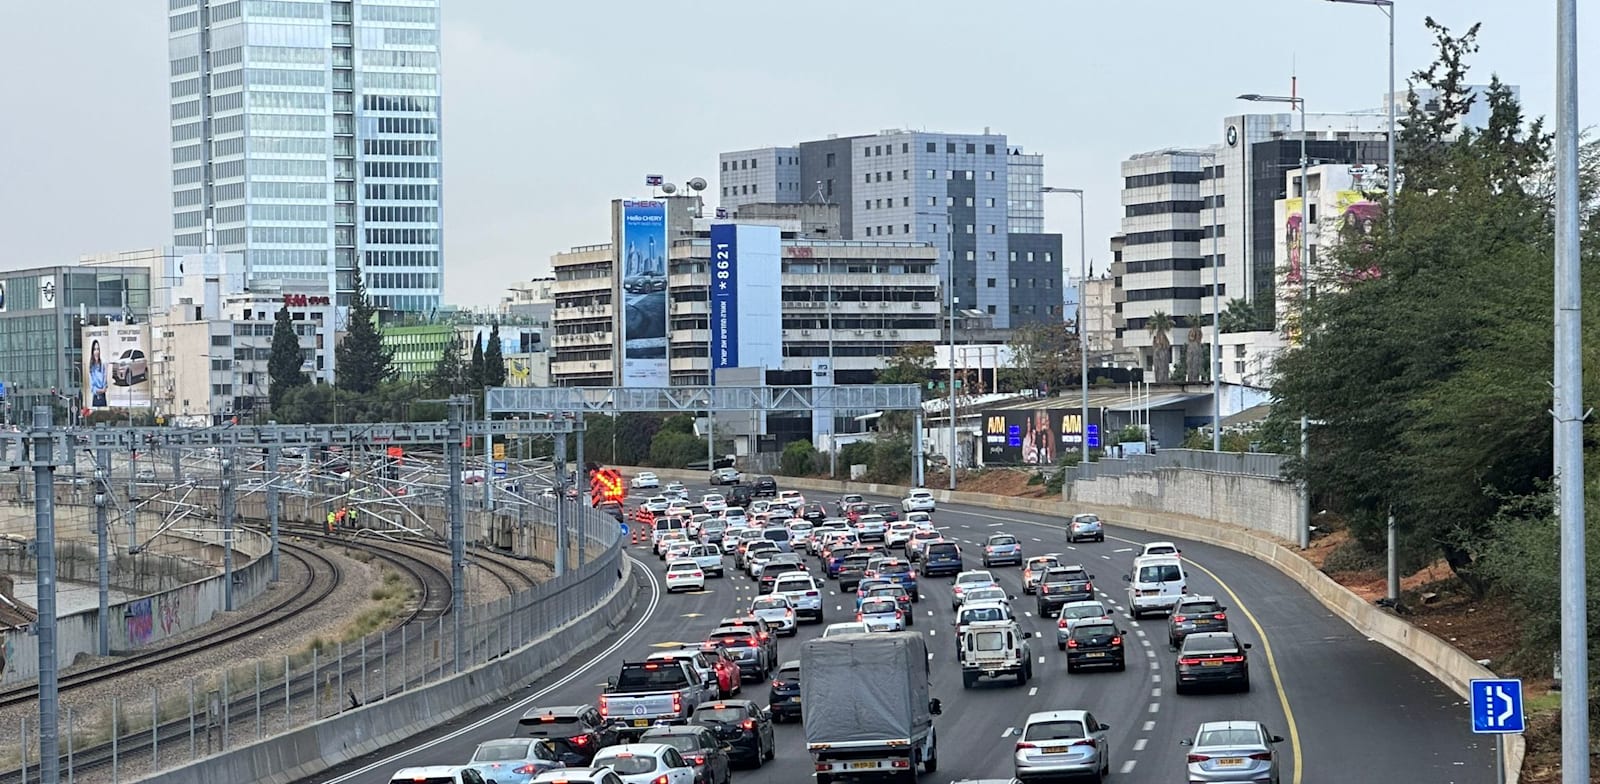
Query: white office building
{"type": "Point", "coordinates": [305, 136]}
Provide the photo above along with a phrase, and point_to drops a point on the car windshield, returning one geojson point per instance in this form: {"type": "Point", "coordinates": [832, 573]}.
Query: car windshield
{"type": "Point", "coordinates": [682, 741]}
{"type": "Point", "coordinates": [1086, 518]}
{"type": "Point", "coordinates": [776, 535]}
{"type": "Point", "coordinates": [1159, 573]}
{"type": "Point", "coordinates": [875, 606]}
{"type": "Point", "coordinates": [895, 567]}
{"type": "Point", "coordinates": [1002, 540]}
{"type": "Point", "coordinates": [733, 639]}
{"type": "Point", "coordinates": [1229, 737]}
{"type": "Point", "coordinates": [788, 674]}
{"type": "Point", "coordinates": [891, 591]}
{"type": "Point", "coordinates": [982, 614]}
{"type": "Point", "coordinates": [1064, 575]}
{"type": "Point", "coordinates": [684, 566]}
{"type": "Point", "coordinates": [1199, 608]}
{"type": "Point", "coordinates": [770, 603]}
{"type": "Point", "coordinates": [974, 578]}
{"type": "Point", "coordinates": [990, 641]}
{"type": "Point", "coordinates": [728, 714]}
{"type": "Point", "coordinates": [626, 764]}
{"type": "Point", "coordinates": [1064, 729]}
{"type": "Point", "coordinates": [1089, 631]}
{"type": "Point", "coordinates": [1208, 644]}
{"type": "Point", "coordinates": [793, 585]}
{"type": "Point", "coordinates": [986, 594]}
{"type": "Point", "coordinates": [1042, 563]}
{"type": "Point", "coordinates": [942, 549]}
{"type": "Point", "coordinates": [502, 751]}
{"type": "Point", "coordinates": [1084, 611]}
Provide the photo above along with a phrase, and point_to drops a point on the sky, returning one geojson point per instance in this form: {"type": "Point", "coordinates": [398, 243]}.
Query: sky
{"type": "Point", "coordinates": [551, 109]}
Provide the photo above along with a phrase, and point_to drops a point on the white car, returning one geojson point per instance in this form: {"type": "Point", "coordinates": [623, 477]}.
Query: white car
{"type": "Point", "coordinates": [572, 776]}
{"type": "Point", "coordinates": [898, 534]}
{"type": "Point", "coordinates": [678, 550]}
{"type": "Point", "coordinates": [657, 504]}
{"type": "Point", "coordinates": [709, 556]}
{"type": "Point", "coordinates": [676, 489]}
{"type": "Point", "coordinates": [871, 526]}
{"type": "Point", "coordinates": [1159, 548]}
{"type": "Point", "coordinates": [918, 501]}
{"type": "Point", "coordinates": [645, 480]}
{"type": "Point", "coordinates": [791, 498]}
{"type": "Point", "coordinates": [646, 763]}
{"type": "Point", "coordinates": [967, 581]}
{"type": "Point", "coordinates": [852, 627]}
{"type": "Point", "coordinates": [714, 503]}
{"type": "Point", "coordinates": [670, 538]}
{"type": "Point", "coordinates": [685, 575]}
{"type": "Point", "coordinates": [799, 534]}
{"type": "Point", "coordinates": [922, 520]}
{"type": "Point", "coordinates": [735, 514]}
{"type": "Point", "coordinates": [759, 505]}
{"type": "Point", "coordinates": [777, 611]}
{"type": "Point", "coordinates": [800, 588]}
{"type": "Point", "coordinates": [758, 554]}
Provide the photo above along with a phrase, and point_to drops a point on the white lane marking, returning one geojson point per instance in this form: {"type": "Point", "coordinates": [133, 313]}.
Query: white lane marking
{"type": "Point", "coordinates": [1155, 707]}
{"type": "Point", "coordinates": [930, 658]}
{"type": "Point", "coordinates": [1107, 557]}
{"type": "Point", "coordinates": [1146, 642]}
{"type": "Point", "coordinates": [932, 632]}
{"type": "Point", "coordinates": [1123, 550]}
{"type": "Point", "coordinates": [1155, 692]}
{"type": "Point", "coordinates": [1139, 632]}
{"type": "Point", "coordinates": [1127, 767]}
{"type": "Point", "coordinates": [522, 704]}
{"type": "Point", "coordinates": [1033, 690]}
{"type": "Point", "coordinates": [996, 525]}
{"type": "Point", "coordinates": [1041, 660]}
{"type": "Point", "coordinates": [930, 612]}
{"type": "Point", "coordinates": [1149, 725]}
{"type": "Point", "coordinates": [1027, 613]}
{"type": "Point", "coordinates": [1139, 744]}
{"type": "Point", "coordinates": [1035, 538]}
{"type": "Point", "coordinates": [1072, 547]}
{"type": "Point", "coordinates": [1154, 665]}
{"type": "Point", "coordinates": [1008, 732]}
{"type": "Point", "coordinates": [1134, 624]}
{"type": "Point", "coordinates": [1150, 653]}
{"type": "Point", "coordinates": [1155, 678]}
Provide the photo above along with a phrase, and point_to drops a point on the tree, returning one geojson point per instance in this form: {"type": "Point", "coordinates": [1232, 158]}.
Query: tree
{"type": "Point", "coordinates": [911, 364]}
{"type": "Point", "coordinates": [1194, 364]}
{"type": "Point", "coordinates": [284, 365]}
{"type": "Point", "coordinates": [1044, 356]}
{"type": "Point", "coordinates": [675, 445]}
{"type": "Point", "coordinates": [799, 458]}
{"type": "Point", "coordinates": [1239, 316]}
{"type": "Point", "coordinates": [362, 362]}
{"type": "Point", "coordinates": [476, 370]}
{"type": "Point", "coordinates": [1160, 328]}
{"type": "Point", "coordinates": [448, 376]}
{"type": "Point", "coordinates": [494, 363]}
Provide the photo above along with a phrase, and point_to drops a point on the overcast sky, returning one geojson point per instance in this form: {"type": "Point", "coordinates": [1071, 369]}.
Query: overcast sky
{"type": "Point", "coordinates": [553, 108]}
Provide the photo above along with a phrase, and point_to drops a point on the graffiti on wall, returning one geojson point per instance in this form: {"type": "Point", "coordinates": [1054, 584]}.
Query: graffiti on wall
{"type": "Point", "coordinates": [140, 623]}
{"type": "Point", "coordinates": [171, 606]}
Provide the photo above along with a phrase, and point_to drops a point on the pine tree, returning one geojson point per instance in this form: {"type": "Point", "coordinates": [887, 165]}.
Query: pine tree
{"type": "Point", "coordinates": [494, 362]}
{"type": "Point", "coordinates": [475, 371]}
{"type": "Point", "coordinates": [283, 367]}
{"type": "Point", "coordinates": [446, 377]}
{"type": "Point", "coordinates": [362, 361]}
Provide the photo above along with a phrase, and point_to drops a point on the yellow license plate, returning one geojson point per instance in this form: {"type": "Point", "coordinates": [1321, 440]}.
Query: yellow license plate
{"type": "Point", "coordinates": [863, 765]}
{"type": "Point", "coordinates": [641, 722]}
{"type": "Point", "coordinates": [1055, 749]}
{"type": "Point", "coordinates": [1211, 664]}
{"type": "Point", "coordinates": [1230, 762]}
{"type": "Point", "coordinates": [797, 699]}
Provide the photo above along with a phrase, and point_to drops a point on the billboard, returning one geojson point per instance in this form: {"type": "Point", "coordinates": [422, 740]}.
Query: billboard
{"type": "Point", "coordinates": [821, 419]}
{"type": "Point", "coordinates": [1030, 436]}
{"type": "Point", "coordinates": [746, 297]}
{"type": "Point", "coordinates": [642, 259]}
{"type": "Point", "coordinates": [116, 367]}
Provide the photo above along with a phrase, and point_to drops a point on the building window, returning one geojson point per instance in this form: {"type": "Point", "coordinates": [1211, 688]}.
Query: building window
{"type": "Point", "coordinates": [991, 283]}
{"type": "Point", "coordinates": [1030, 255]}
{"type": "Point", "coordinates": [968, 174]}
{"type": "Point", "coordinates": [972, 256]}
{"type": "Point", "coordinates": [933, 201]}
{"type": "Point", "coordinates": [907, 228]}
{"type": "Point", "coordinates": [1013, 283]}
{"type": "Point", "coordinates": [1049, 256]}
{"type": "Point", "coordinates": [866, 178]}
{"type": "Point", "coordinates": [990, 255]}
{"type": "Point", "coordinates": [932, 148]}
{"type": "Point", "coordinates": [989, 202]}
{"type": "Point", "coordinates": [829, 163]}
{"type": "Point", "coordinates": [970, 228]}
{"type": "Point", "coordinates": [932, 174]}
{"type": "Point", "coordinates": [988, 149]}
{"type": "Point", "coordinates": [991, 228]}
{"type": "Point", "coordinates": [971, 148]}
{"type": "Point", "coordinates": [969, 201]}
{"type": "Point", "coordinates": [868, 204]}
{"type": "Point", "coordinates": [950, 147]}
{"type": "Point", "coordinates": [991, 310]}
{"type": "Point", "coordinates": [989, 175]}
{"type": "Point", "coordinates": [1013, 255]}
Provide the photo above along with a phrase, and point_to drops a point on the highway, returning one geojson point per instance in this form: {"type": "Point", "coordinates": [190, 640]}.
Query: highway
{"type": "Point", "coordinates": [1348, 708]}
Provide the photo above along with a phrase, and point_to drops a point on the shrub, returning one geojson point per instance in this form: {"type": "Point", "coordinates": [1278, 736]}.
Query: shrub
{"type": "Point", "coordinates": [1351, 555]}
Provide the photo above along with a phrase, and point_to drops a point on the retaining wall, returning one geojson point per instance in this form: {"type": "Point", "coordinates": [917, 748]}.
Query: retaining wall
{"type": "Point", "coordinates": [1263, 504]}
{"type": "Point", "coordinates": [314, 748]}
{"type": "Point", "coordinates": [1438, 658]}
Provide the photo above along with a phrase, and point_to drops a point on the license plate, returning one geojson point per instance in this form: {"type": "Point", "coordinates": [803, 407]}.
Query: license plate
{"type": "Point", "coordinates": [1211, 664]}
{"type": "Point", "coordinates": [863, 765]}
{"type": "Point", "coordinates": [1100, 655]}
{"type": "Point", "coordinates": [1055, 749]}
{"type": "Point", "coordinates": [1149, 593]}
{"type": "Point", "coordinates": [796, 699]}
{"type": "Point", "coordinates": [641, 722]}
{"type": "Point", "coordinates": [1230, 762]}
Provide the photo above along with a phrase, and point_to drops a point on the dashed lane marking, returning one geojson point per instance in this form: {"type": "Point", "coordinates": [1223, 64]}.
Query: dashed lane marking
{"type": "Point", "coordinates": [1154, 665]}
{"type": "Point", "coordinates": [1032, 690]}
{"type": "Point", "coordinates": [1155, 678]}
{"type": "Point", "coordinates": [1008, 732]}
{"type": "Point", "coordinates": [1123, 550]}
{"type": "Point", "coordinates": [692, 615]}
{"type": "Point", "coordinates": [1139, 745]}
{"type": "Point", "coordinates": [1149, 725]}
{"type": "Point", "coordinates": [1127, 766]}
{"type": "Point", "coordinates": [1155, 692]}
{"type": "Point", "coordinates": [1155, 707]}
{"type": "Point", "coordinates": [1139, 632]}
{"type": "Point", "coordinates": [1041, 660]}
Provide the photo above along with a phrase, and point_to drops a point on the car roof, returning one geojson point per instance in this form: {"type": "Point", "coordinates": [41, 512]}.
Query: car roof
{"type": "Point", "coordinates": [564, 774]}
{"type": "Point", "coordinates": [556, 710]}
{"type": "Point", "coordinates": [1231, 724]}
{"type": "Point", "coordinates": [1072, 714]}
{"type": "Point", "coordinates": [428, 771]}
{"type": "Point", "coordinates": [653, 749]}
{"type": "Point", "coordinates": [1082, 602]}
{"type": "Point", "coordinates": [1196, 598]}
{"type": "Point", "coordinates": [986, 604]}
{"type": "Point", "coordinates": [746, 704]}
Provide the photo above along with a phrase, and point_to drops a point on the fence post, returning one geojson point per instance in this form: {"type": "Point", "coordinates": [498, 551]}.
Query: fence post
{"type": "Point", "coordinates": [365, 695]}
{"type": "Point", "coordinates": [438, 642]}
{"type": "Point", "coordinates": [288, 713]}
{"type": "Point", "coordinates": [258, 699]}
{"type": "Point", "coordinates": [383, 650]}
{"type": "Point", "coordinates": [338, 696]}
{"type": "Point", "coordinates": [405, 659]}
{"type": "Point", "coordinates": [316, 705]}
{"type": "Point", "coordinates": [24, 735]}
{"type": "Point", "coordinates": [72, 774]}
{"type": "Point", "coordinates": [155, 726]}
{"type": "Point", "coordinates": [116, 762]}
{"type": "Point", "coordinates": [222, 741]}
{"type": "Point", "coordinates": [422, 646]}
{"type": "Point", "coordinates": [191, 719]}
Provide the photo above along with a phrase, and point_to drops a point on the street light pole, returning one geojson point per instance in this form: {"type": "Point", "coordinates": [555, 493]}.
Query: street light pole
{"type": "Point", "coordinates": [1387, 7]}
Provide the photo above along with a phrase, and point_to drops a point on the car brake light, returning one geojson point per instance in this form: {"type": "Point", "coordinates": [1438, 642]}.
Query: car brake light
{"type": "Point", "coordinates": [1026, 745]}
{"type": "Point", "coordinates": [677, 702]}
{"type": "Point", "coordinates": [748, 724]}
{"type": "Point", "coordinates": [527, 770]}
{"type": "Point", "coordinates": [1221, 616]}
{"type": "Point", "coordinates": [1188, 661]}
{"type": "Point", "coordinates": [899, 615]}
{"type": "Point", "coordinates": [858, 617]}
{"type": "Point", "coordinates": [1088, 586]}
{"type": "Point", "coordinates": [1265, 755]}
{"type": "Point", "coordinates": [1193, 758]}
{"type": "Point", "coordinates": [696, 574]}
{"type": "Point", "coordinates": [699, 760]}
{"type": "Point", "coordinates": [958, 589]}
{"type": "Point", "coordinates": [1072, 643]}
{"type": "Point", "coordinates": [604, 707]}
{"type": "Point", "coordinates": [765, 636]}
{"type": "Point", "coordinates": [1179, 618]}
{"type": "Point", "coordinates": [1233, 659]}
{"type": "Point", "coordinates": [777, 684]}
{"type": "Point", "coordinates": [1116, 640]}
{"type": "Point", "coordinates": [659, 780]}
{"type": "Point", "coordinates": [1062, 624]}
{"type": "Point", "coordinates": [652, 666]}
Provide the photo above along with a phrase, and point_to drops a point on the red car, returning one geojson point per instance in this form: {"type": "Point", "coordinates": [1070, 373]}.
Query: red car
{"type": "Point", "coordinates": [854, 512]}
{"type": "Point", "coordinates": [728, 681]}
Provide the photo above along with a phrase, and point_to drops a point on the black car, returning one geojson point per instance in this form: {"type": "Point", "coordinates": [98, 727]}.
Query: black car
{"type": "Point", "coordinates": [576, 731]}
{"type": "Point", "coordinates": [763, 630]}
{"type": "Point", "coordinates": [1061, 585]}
{"type": "Point", "coordinates": [699, 747]}
{"type": "Point", "coordinates": [741, 724]}
{"type": "Point", "coordinates": [787, 562]}
{"type": "Point", "coordinates": [890, 512]}
{"type": "Point", "coordinates": [745, 648]}
{"type": "Point", "coordinates": [852, 568]}
{"type": "Point", "coordinates": [1213, 658]}
{"type": "Point", "coordinates": [1095, 644]}
{"type": "Point", "coordinates": [813, 512]}
{"type": "Point", "coordinates": [740, 495]}
{"type": "Point", "coordinates": [940, 558]}
{"type": "Point", "coordinates": [784, 701]}
{"type": "Point", "coordinates": [765, 487]}
{"type": "Point", "coordinates": [1195, 614]}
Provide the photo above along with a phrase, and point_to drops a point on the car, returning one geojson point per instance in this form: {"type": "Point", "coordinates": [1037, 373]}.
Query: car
{"type": "Point", "coordinates": [920, 519]}
{"type": "Point", "coordinates": [847, 500]}
{"type": "Point", "coordinates": [1002, 549]}
{"type": "Point", "coordinates": [758, 627]}
{"type": "Point", "coordinates": [966, 581]}
{"type": "Point", "coordinates": [678, 550]}
{"type": "Point", "coordinates": [699, 747]}
{"type": "Point", "coordinates": [1085, 527]}
{"type": "Point", "coordinates": [866, 586]}
{"type": "Point", "coordinates": [714, 503]}
{"type": "Point", "coordinates": [853, 568]}
{"type": "Point", "coordinates": [675, 489]}
{"type": "Point", "coordinates": [645, 480]}
{"type": "Point", "coordinates": [777, 611]}
{"type": "Point", "coordinates": [871, 527]}
{"type": "Point", "coordinates": [129, 368]}
{"type": "Point", "coordinates": [765, 487]}
{"type": "Point", "coordinates": [918, 500]}
{"type": "Point", "coordinates": [1096, 643]}
{"type": "Point", "coordinates": [1073, 613]}
{"type": "Point", "coordinates": [784, 700]}
{"type": "Point", "coordinates": [777, 566]}
{"type": "Point", "coordinates": [1158, 548]}
{"type": "Point", "coordinates": [780, 536]}
{"type": "Point", "coordinates": [793, 499]}
{"type": "Point", "coordinates": [988, 593]}
{"type": "Point", "coordinates": [919, 541]}
{"type": "Point", "coordinates": [987, 611]}
{"type": "Point", "coordinates": [882, 614]}
{"type": "Point", "coordinates": [1062, 743]}
{"type": "Point", "coordinates": [814, 512]}
{"type": "Point", "coordinates": [899, 534]}
{"type": "Point", "coordinates": [722, 664]}
{"type": "Point", "coordinates": [438, 774]}
{"type": "Point", "coordinates": [1195, 614]}
{"type": "Point", "coordinates": [854, 511]}
{"type": "Point", "coordinates": [571, 776]}
{"type": "Point", "coordinates": [726, 476]}
{"type": "Point", "coordinates": [889, 512]}
{"type": "Point", "coordinates": [516, 760]}
{"type": "Point", "coordinates": [1033, 569]}
{"type": "Point", "coordinates": [740, 496]}
{"type": "Point", "coordinates": [1063, 584]}
{"type": "Point", "coordinates": [735, 514]}
{"type": "Point", "coordinates": [685, 575]}
{"type": "Point", "coordinates": [669, 538]}
{"type": "Point", "coordinates": [853, 627]}
{"type": "Point", "coordinates": [742, 724]}
{"type": "Point", "coordinates": [1224, 751]}
{"type": "Point", "coordinates": [1211, 658]}
{"type": "Point", "coordinates": [901, 572]}
{"type": "Point", "coordinates": [1156, 584]}
{"type": "Point", "coordinates": [756, 559]}
{"type": "Point", "coordinates": [656, 504]}
{"type": "Point", "coordinates": [712, 531]}
{"type": "Point", "coordinates": [572, 729]}
{"type": "Point", "coordinates": [895, 592]}
{"type": "Point", "coordinates": [145, 475]}
{"type": "Point", "coordinates": [647, 763]}
{"type": "Point", "coordinates": [758, 550]}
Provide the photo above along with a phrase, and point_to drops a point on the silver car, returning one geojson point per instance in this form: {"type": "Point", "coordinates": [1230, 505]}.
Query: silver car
{"type": "Point", "coordinates": [1058, 744]}
{"type": "Point", "coordinates": [882, 614]}
{"type": "Point", "coordinates": [1086, 527]}
{"type": "Point", "coordinates": [1228, 751]}
{"type": "Point", "coordinates": [777, 611]}
{"type": "Point", "coordinates": [1073, 613]}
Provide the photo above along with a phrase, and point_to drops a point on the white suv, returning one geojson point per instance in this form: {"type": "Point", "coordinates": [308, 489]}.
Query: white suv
{"type": "Point", "coordinates": [455, 774]}
{"type": "Point", "coordinates": [802, 591]}
{"type": "Point", "coordinates": [918, 500]}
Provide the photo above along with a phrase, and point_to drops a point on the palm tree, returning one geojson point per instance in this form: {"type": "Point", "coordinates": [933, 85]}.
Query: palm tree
{"type": "Point", "coordinates": [1193, 362]}
{"type": "Point", "coordinates": [1160, 328]}
{"type": "Point", "coordinates": [1239, 316]}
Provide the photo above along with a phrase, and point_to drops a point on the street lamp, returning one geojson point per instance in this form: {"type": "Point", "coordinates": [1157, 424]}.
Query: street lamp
{"type": "Point", "coordinates": [1387, 7]}
{"type": "Point", "coordinates": [950, 309]}
{"type": "Point", "coordinates": [1083, 339]}
{"type": "Point", "coordinates": [1299, 103]}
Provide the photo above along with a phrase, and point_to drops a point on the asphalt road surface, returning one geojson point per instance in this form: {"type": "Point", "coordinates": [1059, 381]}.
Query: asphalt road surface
{"type": "Point", "coordinates": [1348, 708]}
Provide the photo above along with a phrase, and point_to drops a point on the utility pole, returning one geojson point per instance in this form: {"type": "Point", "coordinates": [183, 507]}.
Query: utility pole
{"type": "Point", "coordinates": [44, 522]}
{"type": "Point", "coordinates": [272, 503]}
{"type": "Point", "coordinates": [559, 466]}
{"type": "Point", "coordinates": [458, 544]}
{"type": "Point", "coordinates": [102, 535]}
{"type": "Point", "coordinates": [225, 512]}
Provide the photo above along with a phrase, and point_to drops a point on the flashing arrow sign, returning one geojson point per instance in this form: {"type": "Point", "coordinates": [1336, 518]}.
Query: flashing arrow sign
{"type": "Point", "coordinates": [1497, 706]}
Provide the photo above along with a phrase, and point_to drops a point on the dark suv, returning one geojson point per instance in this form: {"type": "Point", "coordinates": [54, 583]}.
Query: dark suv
{"type": "Point", "coordinates": [572, 729]}
{"type": "Point", "coordinates": [740, 495]}
{"type": "Point", "coordinates": [853, 568]}
{"type": "Point", "coordinates": [784, 701]}
{"type": "Point", "coordinates": [942, 558]}
{"type": "Point", "coordinates": [1195, 614]}
{"type": "Point", "coordinates": [1095, 644]}
{"type": "Point", "coordinates": [1061, 585]}
{"type": "Point", "coordinates": [766, 487]}
{"type": "Point", "coordinates": [741, 724]}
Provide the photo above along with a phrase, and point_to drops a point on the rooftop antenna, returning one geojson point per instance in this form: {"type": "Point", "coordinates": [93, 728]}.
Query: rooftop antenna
{"type": "Point", "coordinates": [819, 197]}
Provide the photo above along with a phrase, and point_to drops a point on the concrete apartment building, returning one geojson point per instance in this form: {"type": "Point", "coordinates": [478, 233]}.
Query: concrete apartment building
{"type": "Point", "coordinates": [974, 197]}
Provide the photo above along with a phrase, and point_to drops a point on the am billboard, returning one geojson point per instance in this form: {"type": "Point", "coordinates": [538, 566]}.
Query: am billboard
{"type": "Point", "coordinates": [1029, 436]}
{"type": "Point", "coordinates": [642, 260]}
{"type": "Point", "coordinates": [746, 297]}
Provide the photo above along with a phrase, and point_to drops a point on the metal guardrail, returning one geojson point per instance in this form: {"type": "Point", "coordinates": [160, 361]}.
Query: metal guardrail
{"type": "Point", "coordinates": [1257, 464]}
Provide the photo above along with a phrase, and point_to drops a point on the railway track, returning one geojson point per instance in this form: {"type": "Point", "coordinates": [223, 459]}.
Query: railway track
{"type": "Point", "coordinates": [433, 583]}
{"type": "Point", "coordinates": [325, 579]}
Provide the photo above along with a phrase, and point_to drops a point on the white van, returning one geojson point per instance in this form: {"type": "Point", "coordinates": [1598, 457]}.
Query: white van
{"type": "Point", "coordinates": [1156, 584]}
{"type": "Point", "coordinates": [664, 524]}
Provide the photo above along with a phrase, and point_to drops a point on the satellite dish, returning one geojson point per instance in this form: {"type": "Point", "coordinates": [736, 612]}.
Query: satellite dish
{"type": "Point", "coordinates": [669, 188]}
{"type": "Point", "coordinates": [697, 184]}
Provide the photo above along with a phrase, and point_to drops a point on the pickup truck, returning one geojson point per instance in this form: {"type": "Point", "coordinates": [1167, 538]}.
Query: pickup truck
{"type": "Point", "coordinates": [648, 693]}
{"type": "Point", "coordinates": [867, 711]}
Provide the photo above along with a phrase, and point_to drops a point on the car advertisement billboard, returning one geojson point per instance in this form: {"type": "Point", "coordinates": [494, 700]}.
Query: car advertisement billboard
{"type": "Point", "coordinates": [1030, 436]}
{"type": "Point", "coordinates": [642, 258]}
{"type": "Point", "coordinates": [116, 367]}
{"type": "Point", "coordinates": [746, 297]}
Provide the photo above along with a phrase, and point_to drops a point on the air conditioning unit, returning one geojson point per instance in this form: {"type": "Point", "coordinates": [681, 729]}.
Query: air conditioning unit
{"type": "Point", "coordinates": [805, 332]}
{"type": "Point", "coordinates": [916, 306]}
{"type": "Point", "coordinates": [884, 304]}
{"type": "Point", "coordinates": [861, 332]}
{"type": "Point", "coordinates": [836, 304]}
{"type": "Point", "coordinates": [866, 304]}
{"type": "Point", "coordinates": [879, 333]}
{"type": "Point", "coordinates": [894, 333]}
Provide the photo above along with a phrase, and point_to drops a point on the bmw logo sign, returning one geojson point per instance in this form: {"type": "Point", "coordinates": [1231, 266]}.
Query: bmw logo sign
{"type": "Point", "coordinates": [1233, 135]}
{"type": "Point", "coordinates": [2, 296]}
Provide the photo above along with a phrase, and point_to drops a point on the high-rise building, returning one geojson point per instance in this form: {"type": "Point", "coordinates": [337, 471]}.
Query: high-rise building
{"type": "Point", "coordinates": [974, 197]}
{"type": "Point", "coordinates": [305, 135]}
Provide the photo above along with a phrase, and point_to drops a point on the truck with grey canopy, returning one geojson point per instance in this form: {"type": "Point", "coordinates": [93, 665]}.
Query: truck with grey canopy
{"type": "Point", "coordinates": [867, 713]}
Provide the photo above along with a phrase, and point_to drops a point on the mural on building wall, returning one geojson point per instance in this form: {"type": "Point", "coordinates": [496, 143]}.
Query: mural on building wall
{"type": "Point", "coordinates": [139, 621]}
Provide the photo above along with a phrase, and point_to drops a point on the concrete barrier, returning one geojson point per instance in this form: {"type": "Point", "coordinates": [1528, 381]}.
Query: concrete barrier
{"type": "Point", "coordinates": [314, 748]}
{"type": "Point", "coordinates": [1449, 664]}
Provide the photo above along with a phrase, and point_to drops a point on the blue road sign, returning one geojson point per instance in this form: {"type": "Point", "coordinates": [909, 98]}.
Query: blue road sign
{"type": "Point", "coordinates": [499, 468]}
{"type": "Point", "coordinates": [1094, 436]}
{"type": "Point", "coordinates": [1497, 706]}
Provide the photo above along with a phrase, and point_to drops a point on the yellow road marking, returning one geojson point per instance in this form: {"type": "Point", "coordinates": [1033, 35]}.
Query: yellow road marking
{"type": "Point", "coordinates": [668, 644]}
